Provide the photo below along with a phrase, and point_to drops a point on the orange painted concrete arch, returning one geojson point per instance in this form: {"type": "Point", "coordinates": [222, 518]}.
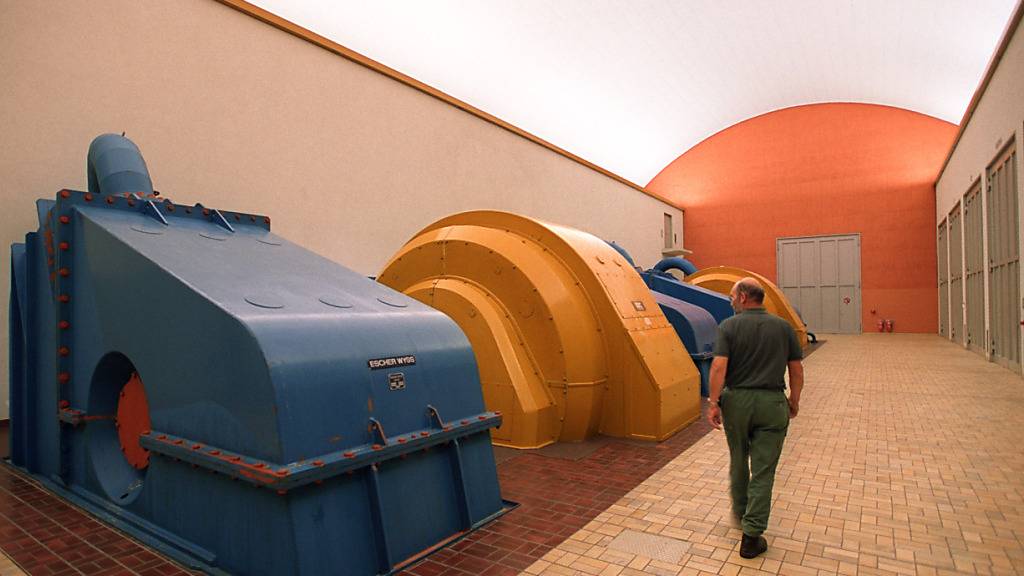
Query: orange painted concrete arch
{"type": "Point", "coordinates": [818, 169]}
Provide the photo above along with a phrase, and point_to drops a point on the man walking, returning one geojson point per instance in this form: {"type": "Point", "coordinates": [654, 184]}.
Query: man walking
{"type": "Point", "coordinates": [752, 353]}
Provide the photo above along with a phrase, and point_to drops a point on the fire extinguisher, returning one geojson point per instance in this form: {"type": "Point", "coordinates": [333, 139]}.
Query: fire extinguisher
{"type": "Point", "coordinates": [881, 325]}
{"type": "Point", "coordinates": [888, 325]}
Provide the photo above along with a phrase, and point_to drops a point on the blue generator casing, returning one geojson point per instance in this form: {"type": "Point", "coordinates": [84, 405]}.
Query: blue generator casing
{"type": "Point", "coordinates": [696, 328]}
{"type": "Point", "coordinates": [664, 283]}
{"type": "Point", "coordinates": [231, 398]}
{"type": "Point", "coordinates": [694, 312]}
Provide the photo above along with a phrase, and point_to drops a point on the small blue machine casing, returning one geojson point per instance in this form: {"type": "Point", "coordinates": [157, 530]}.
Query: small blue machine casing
{"type": "Point", "coordinates": [300, 418]}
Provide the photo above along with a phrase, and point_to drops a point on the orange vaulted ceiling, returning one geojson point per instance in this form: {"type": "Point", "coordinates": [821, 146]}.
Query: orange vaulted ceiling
{"type": "Point", "coordinates": [819, 169]}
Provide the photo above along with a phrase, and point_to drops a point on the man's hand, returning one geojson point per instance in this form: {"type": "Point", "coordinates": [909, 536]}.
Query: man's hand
{"type": "Point", "coordinates": [715, 416]}
{"type": "Point", "coordinates": [796, 386]}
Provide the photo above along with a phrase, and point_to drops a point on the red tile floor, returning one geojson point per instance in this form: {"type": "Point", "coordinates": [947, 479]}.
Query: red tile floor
{"type": "Point", "coordinates": [559, 489]}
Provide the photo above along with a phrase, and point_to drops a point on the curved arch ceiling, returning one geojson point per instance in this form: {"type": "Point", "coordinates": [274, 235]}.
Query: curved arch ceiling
{"type": "Point", "coordinates": [631, 84]}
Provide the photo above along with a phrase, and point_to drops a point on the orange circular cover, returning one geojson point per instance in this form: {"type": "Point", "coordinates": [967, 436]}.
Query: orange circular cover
{"type": "Point", "coordinates": [132, 421]}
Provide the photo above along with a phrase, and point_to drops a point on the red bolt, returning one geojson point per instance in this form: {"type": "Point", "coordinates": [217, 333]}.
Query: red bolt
{"type": "Point", "coordinates": [283, 472]}
{"type": "Point", "coordinates": [464, 422]}
{"type": "Point", "coordinates": [238, 217]}
{"type": "Point", "coordinates": [179, 441]}
{"type": "Point", "coordinates": [64, 245]}
{"type": "Point", "coordinates": [197, 446]}
{"type": "Point", "coordinates": [64, 377]}
{"type": "Point", "coordinates": [64, 298]}
{"type": "Point", "coordinates": [65, 194]}
{"type": "Point", "coordinates": [63, 351]}
{"type": "Point", "coordinates": [401, 440]}
{"type": "Point", "coordinates": [88, 197]}
{"type": "Point", "coordinates": [266, 219]}
{"type": "Point", "coordinates": [447, 428]}
{"type": "Point", "coordinates": [214, 452]}
{"type": "Point", "coordinates": [110, 199]}
{"type": "Point", "coordinates": [282, 492]}
{"type": "Point", "coordinates": [162, 437]}
{"type": "Point", "coordinates": [64, 324]}
{"type": "Point", "coordinates": [377, 447]}
{"type": "Point", "coordinates": [64, 403]}
{"type": "Point", "coordinates": [424, 434]}
{"type": "Point", "coordinates": [169, 206]}
{"type": "Point", "coordinates": [49, 261]}
{"type": "Point", "coordinates": [319, 463]}
{"type": "Point", "coordinates": [235, 458]}
{"type": "Point", "coordinates": [206, 211]}
{"type": "Point", "coordinates": [350, 454]}
{"type": "Point", "coordinates": [481, 417]}
{"type": "Point", "coordinates": [147, 432]}
{"type": "Point", "coordinates": [260, 465]}
{"type": "Point", "coordinates": [64, 272]}
{"type": "Point", "coordinates": [131, 202]}
{"type": "Point", "coordinates": [497, 412]}
{"type": "Point", "coordinates": [64, 220]}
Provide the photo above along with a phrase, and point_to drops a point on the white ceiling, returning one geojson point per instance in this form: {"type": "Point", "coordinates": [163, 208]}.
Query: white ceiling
{"type": "Point", "coordinates": [631, 84]}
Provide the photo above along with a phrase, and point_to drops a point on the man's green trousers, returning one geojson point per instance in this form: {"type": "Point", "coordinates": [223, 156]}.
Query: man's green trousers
{"type": "Point", "coordinates": [755, 423]}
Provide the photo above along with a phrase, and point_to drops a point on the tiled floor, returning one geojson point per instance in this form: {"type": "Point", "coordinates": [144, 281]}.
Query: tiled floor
{"type": "Point", "coordinates": [906, 458]}
{"type": "Point", "coordinates": [559, 490]}
{"type": "Point", "coordinates": [557, 497]}
{"type": "Point", "coordinates": [46, 536]}
{"type": "Point", "coordinates": [8, 567]}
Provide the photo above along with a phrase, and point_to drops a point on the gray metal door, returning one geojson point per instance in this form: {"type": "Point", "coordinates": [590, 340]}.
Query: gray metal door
{"type": "Point", "coordinates": [943, 280]}
{"type": "Point", "coordinates": [821, 277]}
{"type": "Point", "coordinates": [956, 277]}
{"type": "Point", "coordinates": [974, 263]}
{"type": "Point", "coordinates": [1004, 260]}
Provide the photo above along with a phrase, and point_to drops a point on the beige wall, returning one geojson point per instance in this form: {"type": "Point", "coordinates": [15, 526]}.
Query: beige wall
{"type": "Point", "coordinates": [997, 120]}
{"type": "Point", "coordinates": [238, 115]}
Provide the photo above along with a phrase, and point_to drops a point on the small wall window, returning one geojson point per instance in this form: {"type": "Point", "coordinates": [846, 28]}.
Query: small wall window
{"type": "Point", "coordinates": [667, 232]}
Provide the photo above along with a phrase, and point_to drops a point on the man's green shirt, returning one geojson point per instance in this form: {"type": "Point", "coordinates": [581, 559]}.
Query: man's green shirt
{"type": "Point", "coordinates": [758, 345]}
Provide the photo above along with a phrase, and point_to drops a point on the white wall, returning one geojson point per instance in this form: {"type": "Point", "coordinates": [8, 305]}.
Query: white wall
{"type": "Point", "coordinates": [997, 120]}
{"type": "Point", "coordinates": [241, 116]}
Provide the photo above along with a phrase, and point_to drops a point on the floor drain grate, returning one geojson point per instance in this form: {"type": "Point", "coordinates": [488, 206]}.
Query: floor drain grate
{"type": "Point", "coordinates": [652, 546]}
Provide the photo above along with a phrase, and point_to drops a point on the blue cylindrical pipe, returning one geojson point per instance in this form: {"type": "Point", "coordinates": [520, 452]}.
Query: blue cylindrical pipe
{"type": "Point", "coordinates": [115, 166]}
{"type": "Point", "coordinates": [677, 263]}
{"type": "Point", "coordinates": [622, 252]}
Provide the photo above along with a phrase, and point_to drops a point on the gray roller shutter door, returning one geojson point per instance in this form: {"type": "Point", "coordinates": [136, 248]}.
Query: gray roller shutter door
{"type": "Point", "coordinates": [1004, 260]}
{"type": "Point", "coordinates": [974, 263]}
{"type": "Point", "coordinates": [820, 276]}
{"type": "Point", "coordinates": [943, 280]}
{"type": "Point", "coordinates": [956, 295]}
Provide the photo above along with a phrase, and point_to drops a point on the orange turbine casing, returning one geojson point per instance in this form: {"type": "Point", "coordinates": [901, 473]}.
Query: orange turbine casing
{"type": "Point", "coordinates": [568, 339]}
{"type": "Point", "coordinates": [721, 279]}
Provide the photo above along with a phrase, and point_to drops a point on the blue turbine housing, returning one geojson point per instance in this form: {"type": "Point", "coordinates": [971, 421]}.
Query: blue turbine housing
{"type": "Point", "coordinates": [234, 399]}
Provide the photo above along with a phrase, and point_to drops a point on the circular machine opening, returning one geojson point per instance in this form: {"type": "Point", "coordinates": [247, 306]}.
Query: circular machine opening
{"type": "Point", "coordinates": [117, 398]}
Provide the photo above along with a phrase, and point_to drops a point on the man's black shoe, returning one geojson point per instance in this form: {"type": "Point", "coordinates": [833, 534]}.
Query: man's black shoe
{"type": "Point", "coordinates": [752, 546]}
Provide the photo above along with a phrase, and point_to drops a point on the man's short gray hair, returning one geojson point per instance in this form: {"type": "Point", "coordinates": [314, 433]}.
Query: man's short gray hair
{"type": "Point", "coordinates": [752, 288]}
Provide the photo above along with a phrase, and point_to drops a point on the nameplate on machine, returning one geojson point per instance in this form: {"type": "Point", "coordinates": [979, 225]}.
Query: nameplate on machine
{"type": "Point", "coordinates": [392, 362]}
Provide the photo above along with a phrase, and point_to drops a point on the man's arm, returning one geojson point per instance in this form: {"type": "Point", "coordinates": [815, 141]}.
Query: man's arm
{"type": "Point", "coordinates": [715, 383]}
{"type": "Point", "coordinates": [796, 385]}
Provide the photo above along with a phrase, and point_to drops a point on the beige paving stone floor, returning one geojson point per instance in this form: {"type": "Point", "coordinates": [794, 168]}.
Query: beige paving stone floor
{"type": "Point", "coordinates": [907, 458]}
